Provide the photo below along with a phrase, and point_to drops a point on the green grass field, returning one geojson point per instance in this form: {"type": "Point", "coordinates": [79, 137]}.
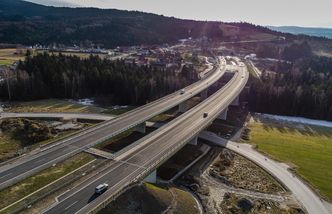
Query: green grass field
{"type": "Point", "coordinates": [8, 56]}
{"type": "Point", "coordinates": [54, 105]}
{"type": "Point", "coordinates": [9, 146]}
{"type": "Point", "coordinates": [6, 62]}
{"type": "Point", "coordinates": [307, 147]}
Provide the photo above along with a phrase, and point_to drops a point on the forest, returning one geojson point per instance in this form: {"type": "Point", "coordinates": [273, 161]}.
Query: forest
{"type": "Point", "coordinates": [302, 88]}
{"type": "Point", "coordinates": [28, 24]}
{"type": "Point", "coordinates": [114, 82]}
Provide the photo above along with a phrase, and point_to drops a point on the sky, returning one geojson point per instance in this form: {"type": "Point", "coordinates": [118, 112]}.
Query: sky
{"type": "Point", "coordinates": [306, 13]}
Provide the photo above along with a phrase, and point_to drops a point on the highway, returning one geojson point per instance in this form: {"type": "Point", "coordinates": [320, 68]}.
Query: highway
{"type": "Point", "coordinates": [307, 198]}
{"type": "Point", "coordinates": [150, 151]}
{"type": "Point", "coordinates": [29, 164]}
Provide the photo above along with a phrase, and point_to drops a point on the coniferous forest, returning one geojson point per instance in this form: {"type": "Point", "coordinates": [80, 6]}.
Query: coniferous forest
{"type": "Point", "coordinates": [301, 88]}
{"type": "Point", "coordinates": [59, 76]}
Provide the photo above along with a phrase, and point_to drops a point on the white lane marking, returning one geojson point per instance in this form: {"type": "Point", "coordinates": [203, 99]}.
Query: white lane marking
{"type": "Point", "coordinates": [40, 160]}
{"type": "Point", "coordinates": [71, 205]}
{"type": "Point", "coordinates": [90, 131]}
{"type": "Point", "coordinates": [123, 162]}
{"type": "Point", "coordinates": [6, 175]}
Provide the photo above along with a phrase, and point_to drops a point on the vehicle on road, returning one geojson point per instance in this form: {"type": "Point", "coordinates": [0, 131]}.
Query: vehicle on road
{"type": "Point", "coordinates": [205, 114]}
{"type": "Point", "coordinates": [182, 91]}
{"type": "Point", "coordinates": [101, 188]}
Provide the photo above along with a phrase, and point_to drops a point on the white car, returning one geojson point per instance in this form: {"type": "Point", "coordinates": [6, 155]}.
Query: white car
{"type": "Point", "coordinates": [101, 188]}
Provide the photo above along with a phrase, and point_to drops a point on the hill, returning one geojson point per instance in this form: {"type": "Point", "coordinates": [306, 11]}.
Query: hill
{"type": "Point", "coordinates": [320, 32]}
{"type": "Point", "coordinates": [28, 23]}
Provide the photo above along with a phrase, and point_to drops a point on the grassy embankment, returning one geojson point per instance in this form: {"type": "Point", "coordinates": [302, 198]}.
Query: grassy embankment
{"type": "Point", "coordinates": [41, 179]}
{"type": "Point", "coordinates": [252, 71]}
{"type": "Point", "coordinates": [156, 200]}
{"type": "Point", "coordinates": [309, 148]}
{"type": "Point", "coordinates": [53, 105]}
{"type": "Point", "coordinates": [9, 145]}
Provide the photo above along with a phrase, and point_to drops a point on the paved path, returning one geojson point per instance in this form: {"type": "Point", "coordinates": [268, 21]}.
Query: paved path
{"type": "Point", "coordinates": [307, 198]}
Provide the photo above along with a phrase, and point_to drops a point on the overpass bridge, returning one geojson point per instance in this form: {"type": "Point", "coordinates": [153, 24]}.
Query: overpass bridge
{"type": "Point", "coordinates": [32, 163]}
{"type": "Point", "coordinates": [138, 161]}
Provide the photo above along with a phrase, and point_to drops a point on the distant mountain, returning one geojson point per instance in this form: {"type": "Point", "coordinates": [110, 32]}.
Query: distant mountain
{"type": "Point", "coordinates": [28, 23]}
{"type": "Point", "coordinates": [321, 32]}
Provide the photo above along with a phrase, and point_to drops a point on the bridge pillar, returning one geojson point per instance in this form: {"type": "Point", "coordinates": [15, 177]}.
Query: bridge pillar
{"type": "Point", "coordinates": [236, 101]}
{"type": "Point", "coordinates": [183, 107]}
{"type": "Point", "coordinates": [193, 141]}
{"type": "Point", "coordinates": [141, 128]}
{"type": "Point", "coordinates": [204, 94]}
{"type": "Point", "coordinates": [223, 115]}
{"type": "Point", "coordinates": [152, 178]}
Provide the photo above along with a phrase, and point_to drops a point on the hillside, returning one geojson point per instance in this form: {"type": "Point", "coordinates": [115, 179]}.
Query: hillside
{"type": "Point", "coordinates": [28, 23]}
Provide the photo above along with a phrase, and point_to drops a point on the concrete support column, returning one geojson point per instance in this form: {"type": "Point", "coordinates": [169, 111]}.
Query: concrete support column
{"type": "Point", "coordinates": [204, 94]}
{"type": "Point", "coordinates": [223, 115]}
{"type": "Point", "coordinates": [152, 178]}
{"type": "Point", "coordinates": [236, 102]}
{"type": "Point", "coordinates": [183, 107]}
{"type": "Point", "coordinates": [141, 128]}
{"type": "Point", "coordinates": [193, 141]}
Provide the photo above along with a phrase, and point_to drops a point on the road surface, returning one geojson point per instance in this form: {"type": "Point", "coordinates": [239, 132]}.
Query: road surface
{"type": "Point", "coordinates": [150, 151]}
{"type": "Point", "coordinates": [30, 164]}
{"type": "Point", "coordinates": [307, 198]}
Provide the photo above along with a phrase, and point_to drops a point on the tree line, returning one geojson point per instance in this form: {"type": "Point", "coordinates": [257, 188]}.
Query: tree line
{"type": "Point", "coordinates": [60, 76]}
{"type": "Point", "coordinates": [303, 89]}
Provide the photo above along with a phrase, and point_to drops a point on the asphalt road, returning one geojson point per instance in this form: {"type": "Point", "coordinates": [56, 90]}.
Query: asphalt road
{"type": "Point", "coordinates": [23, 167]}
{"type": "Point", "coordinates": [307, 198]}
{"type": "Point", "coordinates": [151, 151]}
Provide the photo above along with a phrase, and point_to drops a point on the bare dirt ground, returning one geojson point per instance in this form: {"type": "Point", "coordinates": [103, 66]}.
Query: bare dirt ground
{"type": "Point", "coordinates": [228, 183]}
{"type": "Point", "coordinates": [235, 170]}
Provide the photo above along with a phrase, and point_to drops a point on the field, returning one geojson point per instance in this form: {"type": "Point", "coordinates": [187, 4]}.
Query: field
{"type": "Point", "coordinates": [79, 54]}
{"type": "Point", "coordinates": [308, 148]}
{"type": "Point", "coordinates": [11, 147]}
{"type": "Point", "coordinates": [8, 56]}
{"type": "Point", "coordinates": [53, 105]}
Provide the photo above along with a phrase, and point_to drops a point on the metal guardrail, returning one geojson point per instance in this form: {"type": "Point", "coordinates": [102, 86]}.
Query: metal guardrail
{"type": "Point", "coordinates": [106, 199]}
{"type": "Point", "coordinates": [53, 188]}
{"type": "Point", "coordinates": [102, 125]}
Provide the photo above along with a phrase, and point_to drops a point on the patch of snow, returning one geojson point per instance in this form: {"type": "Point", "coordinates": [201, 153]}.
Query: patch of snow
{"type": "Point", "coordinates": [298, 120]}
{"type": "Point", "coordinates": [85, 101]}
{"type": "Point", "coordinates": [119, 107]}
{"type": "Point", "coordinates": [68, 126]}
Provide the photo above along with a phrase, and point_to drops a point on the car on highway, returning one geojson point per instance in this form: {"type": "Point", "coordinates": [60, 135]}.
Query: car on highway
{"type": "Point", "coordinates": [101, 188]}
{"type": "Point", "coordinates": [205, 114]}
{"type": "Point", "coordinates": [182, 91]}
